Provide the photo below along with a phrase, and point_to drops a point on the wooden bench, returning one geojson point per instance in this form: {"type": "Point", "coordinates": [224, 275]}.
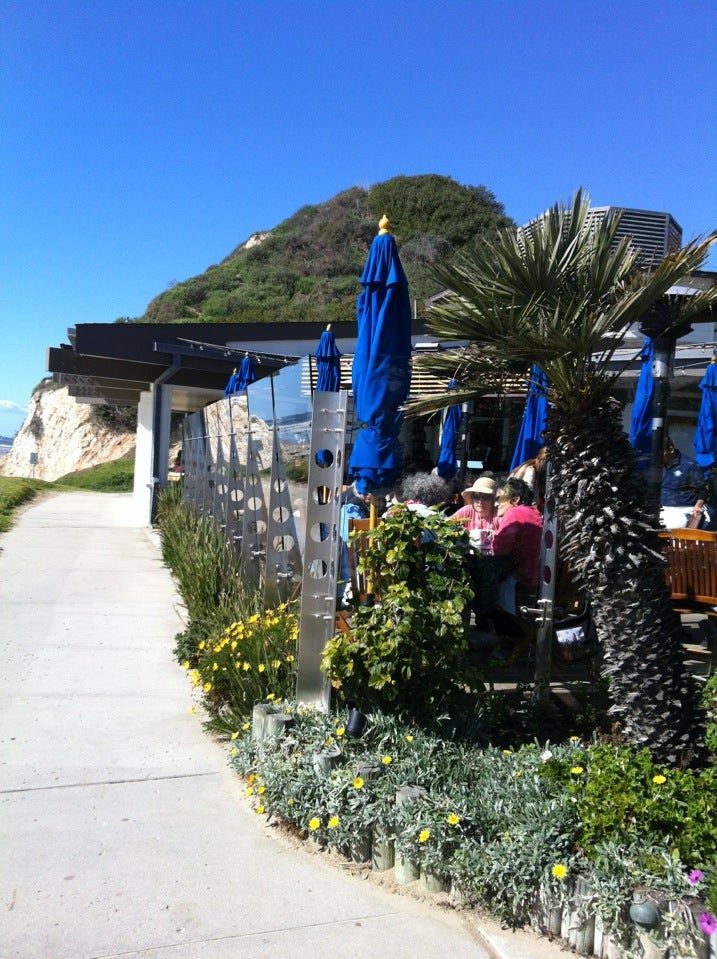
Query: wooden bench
{"type": "Point", "coordinates": [691, 571]}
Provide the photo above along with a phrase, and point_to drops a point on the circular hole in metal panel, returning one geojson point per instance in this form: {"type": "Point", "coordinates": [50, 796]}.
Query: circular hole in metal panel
{"type": "Point", "coordinates": [283, 544]}
{"type": "Point", "coordinates": [318, 569]}
{"type": "Point", "coordinates": [319, 532]}
{"type": "Point", "coordinates": [321, 495]}
{"type": "Point", "coordinates": [324, 459]}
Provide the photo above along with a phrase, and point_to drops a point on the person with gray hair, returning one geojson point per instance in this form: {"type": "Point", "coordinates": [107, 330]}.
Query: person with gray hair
{"type": "Point", "coordinates": [423, 490]}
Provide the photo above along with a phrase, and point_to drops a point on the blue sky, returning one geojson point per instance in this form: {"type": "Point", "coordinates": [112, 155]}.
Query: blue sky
{"type": "Point", "coordinates": [140, 142]}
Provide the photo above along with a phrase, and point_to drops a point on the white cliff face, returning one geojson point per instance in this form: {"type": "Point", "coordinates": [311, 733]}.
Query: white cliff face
{"type": "Point", "coordinates": [64, 437]}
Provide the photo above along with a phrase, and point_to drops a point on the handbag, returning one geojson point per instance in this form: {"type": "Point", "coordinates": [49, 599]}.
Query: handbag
{"type": "Point", "coordinates": [574, 636]}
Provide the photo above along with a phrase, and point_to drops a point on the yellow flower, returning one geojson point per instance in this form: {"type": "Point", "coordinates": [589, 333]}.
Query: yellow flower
{"type": "Point", "coordinates": [271, 696]}
{"type": "Point", "coordinates": [215, 667]}
{"type": "Point", "coordinates": [275, 663]}
{"type": "Point", "coordinates": [234, 735]}
{"type": "Point", "coordinates": [290, 659]}
{"type": "Point", "coordinates": [387, 760]}
{"type": "Point", "coordinates": [659, 780]}
{"type": "Point", "coordinates": [314, 823]}
{"type": "Point", "coordinates": [424, 835]}
{"type": "Point", "coordinates": [409, 738]}
{"type": "Point", "coordinates": [249, 791]}
{"type": "Point", "coordinates": [185, 664]}
{"type": "Point", "coordinates": [246, 666]}
{"type": "Point", "coordinates": [333, 822]}
{"type": "Point", "coordinates": [202, 644]}
{"type": "Point", "coordinates": [246, 726]}
{"type": "Point", "coordinates": [358, 783]}
{"type": "Point", "coordinates": [576, 770]}
{"type": "Point", "coordinates": [234, 644]}
{"type": "Point", "coordinates": [260, 810]}
{"type": "Point", "coordinates": [453, 819]}
{"type": "Point", "coordinates": [261, 790]}
{"type": "Point", "coordinates": [507, 752]}
{"type": "Point", "coordinates": [234, 751]}
{"type": "Point", "coordinates": [340, 731]}
{"type": "Point", "coordinates": [262, 667]}
{"type": "Point", "coordinates": [559, 871]}
{"type": "Point", "coordinates": [251, 778]}
{"type": "Point", "coordinates": [207, 687]}
{"type": "Point", "coordinates": [192, 710]}
{"type": "Point", "coordinates": [291, 801]}
{"type": "Point", "coordinates": [574, 739]}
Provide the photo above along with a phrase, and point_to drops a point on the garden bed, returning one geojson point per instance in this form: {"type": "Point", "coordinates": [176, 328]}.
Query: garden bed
{"type": "Point", "coordinates": [492, 830]}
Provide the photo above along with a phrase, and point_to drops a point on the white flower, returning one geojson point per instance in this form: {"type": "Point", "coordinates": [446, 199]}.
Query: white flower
{"type": "Point", "coordinates": [546, 755]}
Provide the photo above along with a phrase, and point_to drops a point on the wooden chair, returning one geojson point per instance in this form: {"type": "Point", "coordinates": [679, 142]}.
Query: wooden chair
{"type": "Point", "coordinates": [358, 546]}
{"type": "Point", "coordinates": [691, 571]}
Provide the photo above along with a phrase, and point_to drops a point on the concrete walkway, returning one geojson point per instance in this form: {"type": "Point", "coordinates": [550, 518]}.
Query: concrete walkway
{"type": "Point", "coordinates": [122, 833]}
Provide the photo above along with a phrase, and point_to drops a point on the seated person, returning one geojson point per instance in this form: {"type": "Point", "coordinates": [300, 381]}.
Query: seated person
{"type": "Point", "coordinates": [478, 515]}
{"type": "Point", "coordinates": [684, 489]}
{"type": "Point", "coordinates": [519, 537]}
{"type": "Point", "coordinates": [516, 550]}
{"type": "Point", "coordinates": [354, 505]}
{"type": "Point", "coordinates": [534, 473]}
{"type": "Point", "coordinates": [423, 492]}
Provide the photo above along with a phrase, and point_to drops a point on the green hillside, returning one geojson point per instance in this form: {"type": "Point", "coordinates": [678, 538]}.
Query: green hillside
{"type": "Point", "coordinates": [308, 267]}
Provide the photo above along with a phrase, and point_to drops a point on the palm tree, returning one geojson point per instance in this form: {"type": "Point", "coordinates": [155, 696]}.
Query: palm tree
{"type": "Point", "coordinates": [561, 294]}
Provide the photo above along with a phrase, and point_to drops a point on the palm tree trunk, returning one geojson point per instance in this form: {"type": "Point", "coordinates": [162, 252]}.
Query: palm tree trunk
{"type": "Point", "coordinates": [609, 536]}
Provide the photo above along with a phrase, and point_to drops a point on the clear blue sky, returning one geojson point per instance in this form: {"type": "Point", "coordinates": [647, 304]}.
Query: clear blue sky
{"type": "Point", "coordinates": [141, 142]}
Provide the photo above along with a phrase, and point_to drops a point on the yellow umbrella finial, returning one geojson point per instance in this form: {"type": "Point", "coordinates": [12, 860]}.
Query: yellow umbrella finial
{"type": "Point", "coordinates": [383, 225]}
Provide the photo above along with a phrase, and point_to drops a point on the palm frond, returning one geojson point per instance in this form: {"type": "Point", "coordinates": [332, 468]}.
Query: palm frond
{"type": "Point", "coordinates": [551, 293]}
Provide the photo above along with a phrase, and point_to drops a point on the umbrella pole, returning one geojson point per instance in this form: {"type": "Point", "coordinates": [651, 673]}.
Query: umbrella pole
{"type": "Point", "coordinates": [372, 524]}
{"type": "Point", "coordinates": [373, 513]}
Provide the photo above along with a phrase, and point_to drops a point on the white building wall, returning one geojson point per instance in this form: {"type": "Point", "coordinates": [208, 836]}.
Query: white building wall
{"type": "Point", "coordinates": [142, 491]}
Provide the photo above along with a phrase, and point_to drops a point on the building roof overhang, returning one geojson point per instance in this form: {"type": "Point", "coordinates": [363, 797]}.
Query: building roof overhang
{"type": "Point", "coordinates": [116, 362]}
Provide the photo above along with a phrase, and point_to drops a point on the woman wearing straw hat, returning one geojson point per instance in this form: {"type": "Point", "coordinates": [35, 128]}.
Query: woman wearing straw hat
{"type": "Point", "coordinates": [478, 515]}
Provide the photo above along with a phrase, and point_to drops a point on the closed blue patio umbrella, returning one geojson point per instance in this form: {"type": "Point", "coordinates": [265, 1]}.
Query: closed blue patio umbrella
{"type": "Point", "coordinates": [381, 366]}
{"type": "Point", "coordinates": [641, 421]}
{"type": "Point", "coordinates": [705, 441]}
{"type": "Point", "coordinates": [530, 440]}
{"type": "Point", "coordinates": [447, 465]}
{"type": "Point", "coordinates": [241, 378]}
{"type": "Point", "coordinates": [328, 363]}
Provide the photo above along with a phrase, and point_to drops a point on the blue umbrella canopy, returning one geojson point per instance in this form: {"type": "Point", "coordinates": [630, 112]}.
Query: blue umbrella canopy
{"type": "Point", "coordinates": [328, 363]}
{"type": "Point", "coordinates": [530, 440]}
{"type": "Point", "coordinates": [447, 465]}
{"type": "Point", "coordinates": [641, 422]}
{"type": "Point", "coordinates": [705, 441]}
{"type": "Point", "coordinates": [381, 366]}
{"type": "Point", "coordinates": [241, 378]}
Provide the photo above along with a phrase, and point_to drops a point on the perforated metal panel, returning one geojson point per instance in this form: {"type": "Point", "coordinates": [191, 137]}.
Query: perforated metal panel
{"type": "Point", "coordinates": [220, 487]}
{"type": "Point", "coordinates": [253, 544]}
{"type": "Point", "coordinates": [283, 557]}
{"type": "Point", "coordinates": [546, 592]}
{"type": "Point", "coordinates": [318, 593]}
{"type": "Point", "coordinates": [235, 497]}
